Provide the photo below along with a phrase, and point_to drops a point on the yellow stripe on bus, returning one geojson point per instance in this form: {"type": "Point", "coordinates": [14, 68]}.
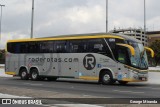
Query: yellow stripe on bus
{"type": "Point", "coordinates": [88, 78]}
{"type": "Point", "coordinates": [67, 38]}
{"type": "Point", "coordinates": [130, 80]}
{"type": "Point", "coordinates": [10, 73]}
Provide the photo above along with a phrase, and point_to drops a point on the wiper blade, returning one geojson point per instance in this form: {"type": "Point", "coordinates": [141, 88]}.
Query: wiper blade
{"type": "Point", "coordinates": [142, 54]}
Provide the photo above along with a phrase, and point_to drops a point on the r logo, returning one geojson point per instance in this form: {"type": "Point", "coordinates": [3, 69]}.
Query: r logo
{"type": "Point", "coordinates": [89, 61]}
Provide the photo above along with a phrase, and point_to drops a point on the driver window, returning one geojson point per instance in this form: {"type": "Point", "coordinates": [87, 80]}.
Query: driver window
{"type": "Point", "coordinates": [122, 56]}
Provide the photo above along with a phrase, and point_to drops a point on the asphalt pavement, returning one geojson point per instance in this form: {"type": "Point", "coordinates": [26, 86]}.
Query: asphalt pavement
{"type": "Point", "coordinates": [75, 88]}
{"type": "Point", "coordinates": [70, 88]}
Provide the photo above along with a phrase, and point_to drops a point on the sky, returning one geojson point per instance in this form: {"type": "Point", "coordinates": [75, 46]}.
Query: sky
{"type": "Point", "coordinates": [61, 17]}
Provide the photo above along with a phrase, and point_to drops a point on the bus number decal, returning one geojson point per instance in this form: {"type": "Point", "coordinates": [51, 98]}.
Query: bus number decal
{"type": "Point", "coordinates": [89, 62]}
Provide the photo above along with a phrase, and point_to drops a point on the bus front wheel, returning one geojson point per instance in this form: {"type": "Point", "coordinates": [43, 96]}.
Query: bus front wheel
{"type": "Point", "coordinates": [106, 78]}
{"type": "Point", "coordinates": [24, 74]}
{"type": "Point", "coordinates": [34, 74]}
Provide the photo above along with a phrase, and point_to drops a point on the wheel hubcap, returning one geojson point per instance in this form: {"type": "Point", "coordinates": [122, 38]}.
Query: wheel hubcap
{"type": "Point", "coordinates": [106, 77]}
{"type": "Point", "coordinates": [34, 75]}
{"type": "Point", "coordinates": [24, 74]}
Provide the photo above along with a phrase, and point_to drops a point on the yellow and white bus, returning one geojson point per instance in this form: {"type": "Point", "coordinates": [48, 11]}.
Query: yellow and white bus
{"type": "Point", "coordinates": [106, 58]}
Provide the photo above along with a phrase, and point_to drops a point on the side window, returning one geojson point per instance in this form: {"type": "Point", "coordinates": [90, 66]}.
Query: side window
{"type": "Point", "coordinates": [23, 47]}
{"type": "Point", "coordinates": [17, 47]}
{"type": "Point", "coordinates": [10, 47]}
{"type": "Point", "coordinates": [61, 46]}
{"type": "Point", "coordinates": [112, 43]}
{"type": "Point", "coordinates": [51, 48]}
{"type": "Point", "coordinates": [77, 46]}
{"type": "Point", "coordinates": [96, 46]}
{"type": "Point", "coordinates": [33, 47]}
{"type": "Point", "coordinates": [47, 47]}
{"type": "Point", "coordinates": [122, 56]}
{"type": "Point", "coordinates": [99, 46]}
{"type": "Point", "coordinates": [43, 47]}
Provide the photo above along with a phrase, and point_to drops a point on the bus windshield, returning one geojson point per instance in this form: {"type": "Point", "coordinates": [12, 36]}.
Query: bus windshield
{"type": "Point", "coordinates": [139, 60]}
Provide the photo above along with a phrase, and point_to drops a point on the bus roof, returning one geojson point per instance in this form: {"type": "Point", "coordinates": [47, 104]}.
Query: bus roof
{"type": "Point", "coordinates": [79, 36]}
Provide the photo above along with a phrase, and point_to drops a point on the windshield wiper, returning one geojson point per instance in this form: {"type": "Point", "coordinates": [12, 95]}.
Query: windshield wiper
{"type": "Point", "coordinates": [142, 60]}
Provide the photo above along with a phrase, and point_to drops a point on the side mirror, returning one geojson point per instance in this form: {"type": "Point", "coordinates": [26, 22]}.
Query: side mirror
{"type": "Point", "coordinates": [129, 47]}
{"type": "Point", "coordinates": [149, 49]}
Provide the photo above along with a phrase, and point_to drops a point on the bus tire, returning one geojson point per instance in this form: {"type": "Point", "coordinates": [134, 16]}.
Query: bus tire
{"type": "Point", "coordinates": [106, 78]}
{"type": "Point", "coordinates": [122, 82]}
{"type": "Point", "coordinates": [34, 74]}
{"type": "Point", "coordinates": [23, 74]}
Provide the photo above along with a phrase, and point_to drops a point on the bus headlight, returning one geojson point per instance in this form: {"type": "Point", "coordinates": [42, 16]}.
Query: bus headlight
{"type": "Point", "coordinates": [134, 72]}
{"type": "Point", "coordinates": [130, 70]}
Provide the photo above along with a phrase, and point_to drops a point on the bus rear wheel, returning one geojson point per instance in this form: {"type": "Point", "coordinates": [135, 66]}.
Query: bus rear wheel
{"type": "Point", "coordinates": [106, 78]}
{"type": "Point", "coordinates": [34, 74]}
{"type": "Point", "coordinates": [24, 74]}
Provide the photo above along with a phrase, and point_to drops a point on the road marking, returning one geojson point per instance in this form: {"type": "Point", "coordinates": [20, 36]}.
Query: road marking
{"type": "Point", "coordinates": [33, 84]}
{"type": "Point", "coordinates": [149, 88]}
{"type": "Point", "coordinates": [72, 86]}
{"type": "Point", "coordinates": [143, 87]}
{"type": "Point", "coordinates": [11, 96]}
{"type": "Point", "coordinates": [77, 105]}
{"type": "Point", "coordinates": [127, 91]}
{"type": "Point", "coordinates": [85, 95]}
{"type": "Point", "coordinates": [155, 88]}
{"type": "Point", "coordinates": [48, 105]}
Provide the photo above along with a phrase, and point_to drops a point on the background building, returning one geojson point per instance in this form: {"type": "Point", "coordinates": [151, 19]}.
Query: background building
{"type": "Point", "coordinates": [136, 33]}
{"type": "Point", "coordinates": [152, 36]}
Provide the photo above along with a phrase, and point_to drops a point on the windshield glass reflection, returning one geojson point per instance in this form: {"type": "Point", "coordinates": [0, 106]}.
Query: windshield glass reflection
{"type": "Point", "coordinates": [140, 58]}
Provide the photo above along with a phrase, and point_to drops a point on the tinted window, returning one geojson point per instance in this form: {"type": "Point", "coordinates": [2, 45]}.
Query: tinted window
{"type": "Point", "coordinates": [112, 43]}
{"type": "Point", "coordinates": [99, 46]}
{"type": "Point", "coordinates": [78, 46]}
{"type": "Point", "coordinates": [10, 47]}
{"type": "Point", "coordinates": [61, 46]}
{"type": "Point", "coordinates": [17, 47]}
{"type": "Point", "coordinates": [122, 55]}
{"type": "Point", "coordinates": [47, 47]}
{"type": "Point", "coordinates": [96, 46]}
{"type": "Point", "coordinates": [33, 47]}
{"type": "Point", "coordinates": [23, 48]}
{"type": "Point", "coordinates": [70, 46]}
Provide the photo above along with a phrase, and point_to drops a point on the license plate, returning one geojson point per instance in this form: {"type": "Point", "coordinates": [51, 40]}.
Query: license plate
{"type": "Point", "coordinates": [143, 79]}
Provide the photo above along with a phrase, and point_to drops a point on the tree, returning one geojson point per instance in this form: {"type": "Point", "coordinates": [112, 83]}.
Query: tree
{"type": "Point", "coordinates": [156, 48]}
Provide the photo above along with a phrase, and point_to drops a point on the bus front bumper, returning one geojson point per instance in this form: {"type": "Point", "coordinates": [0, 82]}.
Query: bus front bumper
{"type": "Point", "coordinates": [136, 77]}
